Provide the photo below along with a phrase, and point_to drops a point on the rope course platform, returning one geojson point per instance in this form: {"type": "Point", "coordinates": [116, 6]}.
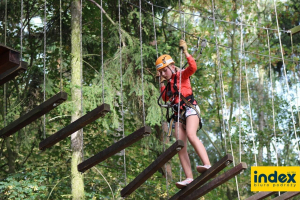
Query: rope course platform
{"type": "Point", "coordinates": [217, 181]}
{"type": "Point", "coordinates": [34, 114]}
{"type": "Point", "coordinates": [9, 58]}
{"type": "Point", "coordinates": [295, 30]}
{"type": "Point", "coordinates": [287, 195]}
{"type": "Point", "coordinates": [152, 168]}
{"type": "Point", "coordinates": [88, 118]}
{"type": "Point", "coordinates": [13, 72]}
{"type": "Point", "coordinates": [203, 178]}
{"type": "Point", "coordinates": [260, 195]}
{"type": "Point", "coordinates": [113, 149]}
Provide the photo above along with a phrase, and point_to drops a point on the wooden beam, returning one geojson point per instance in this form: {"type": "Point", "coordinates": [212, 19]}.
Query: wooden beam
{"type": "Point", "coordinates": [34, 114]}
{"type": "Point", "coordinates": [260, 195]}
{"type": "Point", "coordinates": [12, 73]}
{"type": "Point", "coordinates": [152, 168]}
{"type": "Point", "coordinates": [9, 58]}
{"type": "Point", "coordinates": [287, 195]}
{"type": "Point", "coordinates": [113, 149]}
{"type": "Point", "coordinates": [75, 126]}
{"type": "Point", "coordinates": [295, 30]}
{"type": "Point", "coordinates": [203, 178]}
{"type": "Point", "coordinates": [217, 181]}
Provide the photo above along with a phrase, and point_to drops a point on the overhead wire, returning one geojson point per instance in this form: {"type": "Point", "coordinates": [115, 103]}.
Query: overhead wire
{"type": "Point", "coordinates": [286, 80]}
{"type": "Point", "coordinates": [209, 18]}
{"type": "Point", "coordinates": [81, 81]}
{"type": "Point", "coordinates": [161, 110]}
{"type": "Point", "coordinates": [272, 101]}
{"type": "Point", "coordinates": [209, 42]}
{"type": "Point", "coordinates": [44, 59]}
{"type": "Point", "coordinates": [60, 46]}
{"type": "Point", "coordinates": [181, 66]}
{"type": "Point", "coordinates": [142, 67]}
{"type": "Point", "coordinates": [102, 66]}
{"type": "Point", "coordinates": [121, 88]}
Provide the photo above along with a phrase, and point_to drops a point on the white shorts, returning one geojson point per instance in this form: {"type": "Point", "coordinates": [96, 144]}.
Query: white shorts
{"type": "Point", "coordinates": [190, 111]}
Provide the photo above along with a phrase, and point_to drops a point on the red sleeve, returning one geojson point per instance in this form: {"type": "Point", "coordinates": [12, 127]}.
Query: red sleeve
{"type": "Point", "coordinates": [164, 96]}
{"type": "Point", "coordinates": [191, 69]}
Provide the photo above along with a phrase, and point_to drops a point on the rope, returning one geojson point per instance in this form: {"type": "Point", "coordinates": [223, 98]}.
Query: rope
{"type": "Point", "coordinates": [210, 42]}
{"type": "Point", "coordinates": [272, 90]}
{"type": "Point", "coordinates": [60, 45]}
{"type": "Point", "coordinates": [249, 103]}
{"type": "Point", "coordinates": [286, 81]}
{"type": "Point", "coordinates": [295, 76]}
{"type": "Point", "coordinates": [81, 78]}
{"type": "Point", "coordinates": [4, 86]}
{"type": "Point", "coordinates": [122, 102]}
{"type": "Point", "coordinates": [102, 70]}
{"type": "Point", "coordinates": [161, 110]}
{"type": "Point", "coordinates": [240, 81]}
{"type": "Point", "coordinates": [209, 18]}
{"type": "Point", "coordinates": [142, 69]}
{"type": "Point", "coordinates": [178, 106]}
{"type": "Point", "coordinates": [220, 76]}
{"type": "Point", "coordinates": [45, 46]}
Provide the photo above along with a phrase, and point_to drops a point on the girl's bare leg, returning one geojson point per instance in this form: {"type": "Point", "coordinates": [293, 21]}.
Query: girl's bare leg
{"type": "Point", "coordinates": [192, 123]}
{"type": "Point", "coordinates": [183, 155]}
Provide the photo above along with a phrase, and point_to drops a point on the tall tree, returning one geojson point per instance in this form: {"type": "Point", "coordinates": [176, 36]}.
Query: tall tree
{"type": "Point", "coordinates": [77, 137]}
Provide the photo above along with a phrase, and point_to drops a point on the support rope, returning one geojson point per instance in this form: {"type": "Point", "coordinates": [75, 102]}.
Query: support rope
{"type": "Point", "coordinates": [286, 80]}
{"type": "Point", "coordinates": [142, 68]}
{"type": "Point", "coordinates": [209, 18]}
{"type": "Point", "coordinates": [209, 42]}
{"type": "Point", "coordinates": [121, 88]}
{"type": "Point", "coordinates": [220, 77]}
{"type": "Point", "coordinates": [60, 46]}
{"type": "Point", "coordinates": [102, 70]}
{"type": "Point", "coordinates": [45, 46]}
{"type": "Point", "coordinates": [81, 79]}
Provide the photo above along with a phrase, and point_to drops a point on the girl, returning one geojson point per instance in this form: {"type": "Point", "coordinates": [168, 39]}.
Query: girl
{"type": "Point", "coordinates": [189, 110]}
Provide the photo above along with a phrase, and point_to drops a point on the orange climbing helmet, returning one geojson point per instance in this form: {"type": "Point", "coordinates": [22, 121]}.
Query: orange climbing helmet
{"type": "Point", "coordinates": [163, 61]}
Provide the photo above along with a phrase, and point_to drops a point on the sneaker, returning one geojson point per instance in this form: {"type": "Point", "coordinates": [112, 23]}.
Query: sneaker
{"type": "Point", "coordinates": [203, 168]}
{"type": "Point", "coordinates": [184, 183]}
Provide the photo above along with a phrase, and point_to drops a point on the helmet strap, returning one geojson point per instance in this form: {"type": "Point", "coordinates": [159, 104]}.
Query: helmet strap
{"type": "Point", "coordinates": [173, 72]}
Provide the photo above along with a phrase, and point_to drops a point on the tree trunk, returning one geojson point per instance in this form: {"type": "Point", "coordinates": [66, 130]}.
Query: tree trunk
{"type": "Point", "coordinates": [76, 138]}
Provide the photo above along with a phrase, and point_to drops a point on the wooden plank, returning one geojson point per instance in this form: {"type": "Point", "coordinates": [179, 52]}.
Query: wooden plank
{"type": "Point", "coordinates": [260, 195]}
{"type": "Point", "coordinates": [295, 30]}
{"type": "Point", "coordinates": [34, 114]}
{"type": "Point", "coordinates": [152, 168]}
{"type": "Point", "coordinates": [287, 195]}
{"type": "Point", "coordinates": [75, 126]}
{"type": "Point", "coordinates": [217, 181]}
{"type": "Point", "coordinates": [113, 149]}
{"type": "Point", "coordinates": [203, 178]}
{"type": "Point", "coordinates": [9, 58]}
{"type": "Point", "coordinates": [12, 73]}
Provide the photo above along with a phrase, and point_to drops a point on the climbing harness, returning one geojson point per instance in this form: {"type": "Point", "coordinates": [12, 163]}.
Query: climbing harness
{"type": "Point", "coordinates": [188, 101]}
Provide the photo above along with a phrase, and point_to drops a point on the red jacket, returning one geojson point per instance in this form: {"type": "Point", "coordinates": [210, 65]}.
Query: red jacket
{"type": "Point", "coordinates": [186, 89]}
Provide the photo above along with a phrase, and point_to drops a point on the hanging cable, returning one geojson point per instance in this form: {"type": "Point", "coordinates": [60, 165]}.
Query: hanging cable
{"type": "Point", "coordinates": [250, 113]}
{"type": "Point", "coordinates": [121, 88]}
{"type": "Point", "coordinates": [142, 68]}
{"type": "Point", "coordinates": [209, 18]}
{"type": "Point", "coordinates": [161, 110]}
{"type": "Point", "coordinates": [240, 81]}
{"type": "Point", "coordinates": [295, 76]}
{"type": "Point", "coordinates": [81, 79]}
{"type": "Point", "coordinates": [220, 77]}
{"type": "Point", "coordinates": [286, 81]}
{"type": "Point", "coordinates": [60, 46]}
{"type": "Point", "coordinates": [272, 94]}
{"type": "Point", "coordinates": [45, 45]}
{"type": "Point", "coordinates": [102, 70]}
{"type": "Point", "coordinates": [209, 42]}
{"type": "Point", "coordinates": [4, 86]}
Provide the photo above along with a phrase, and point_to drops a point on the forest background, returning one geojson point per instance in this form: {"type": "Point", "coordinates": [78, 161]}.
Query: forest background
{"type": "Point", "coordinates": [253, 130]}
